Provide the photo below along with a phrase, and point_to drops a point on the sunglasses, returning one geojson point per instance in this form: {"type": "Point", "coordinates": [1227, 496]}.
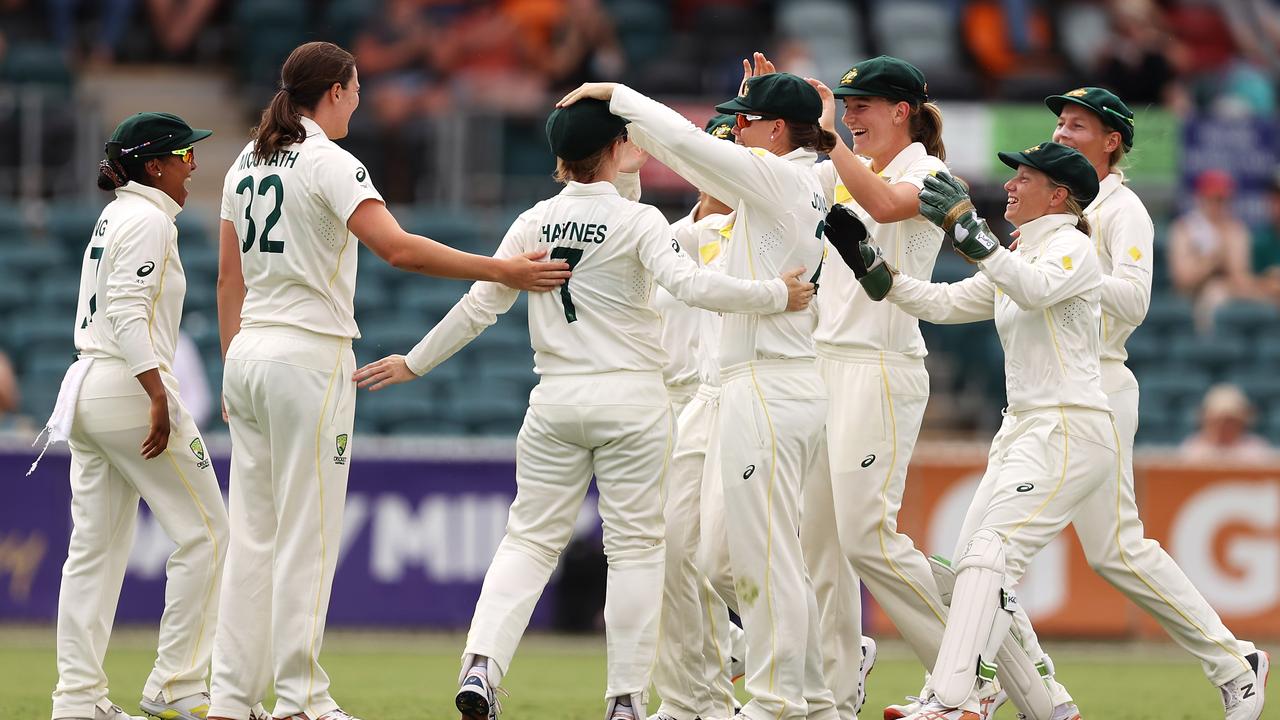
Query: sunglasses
{"type": "Point", "coordinates": [187, 153]}
{"type": "Point", "coordinates": [743, 119]}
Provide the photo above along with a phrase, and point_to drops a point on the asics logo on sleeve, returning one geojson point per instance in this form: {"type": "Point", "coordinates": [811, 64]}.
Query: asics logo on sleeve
{"type": "Point", "coordinates": [747, 473]}
{"type": "Point", "coordinates": [146, 269]}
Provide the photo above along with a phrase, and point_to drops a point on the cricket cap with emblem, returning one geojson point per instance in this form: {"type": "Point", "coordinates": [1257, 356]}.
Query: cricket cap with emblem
{"type": "Point", "coordinates": [885, 77]}
{"type": "Point", "coordinates": [721, 126]}
{"type": "Point", "coordinates": [149, 134]}
{"type": "Point", "coordinates": [1106, 104]}
{"type": "Point", "coordinates": [1064, 165]}
{"type": "Point", "coordinates": [579, 130]}
{"type": "Point", "coordinates": [776, 95]}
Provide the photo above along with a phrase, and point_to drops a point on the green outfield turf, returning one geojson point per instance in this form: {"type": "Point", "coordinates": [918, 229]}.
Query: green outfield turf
{"type": "Point", "coordinates": [412, 676]}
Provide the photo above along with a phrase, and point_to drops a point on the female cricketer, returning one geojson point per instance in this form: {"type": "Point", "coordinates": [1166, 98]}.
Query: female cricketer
{"type": "Point", "coordinates": [600, 406]}
{"type": "Point", "coordinates": [131, 436]}
{"type": "Point", "coordinates": [773, 402]}
{"type": "Point", "coordinates": [292, 204]}
{"type": "Point", "coordinates": [1057, 442]}
{"type": "Point", "coordinates": [1101, 126]}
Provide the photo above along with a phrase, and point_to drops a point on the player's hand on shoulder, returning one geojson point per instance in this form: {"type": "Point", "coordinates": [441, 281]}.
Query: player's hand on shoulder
{"type": "Point", "coordinates": [799, 292]}
{"type": "Point", "coordinates": [158, 435]}
{"type": "Point", "coordinates": [530, 272]}
{"type": "Point", "coordinates": [390, 370]}
{"type": "Point", "coordinates": [597, 90]}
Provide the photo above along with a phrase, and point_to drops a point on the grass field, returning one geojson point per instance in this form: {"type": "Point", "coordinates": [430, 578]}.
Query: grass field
{"type": "Point", "coordinates": [412, 676]}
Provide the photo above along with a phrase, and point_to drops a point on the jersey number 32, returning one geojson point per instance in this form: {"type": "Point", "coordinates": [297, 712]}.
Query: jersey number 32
{"type": "Point", "coordinates": [265, 244]}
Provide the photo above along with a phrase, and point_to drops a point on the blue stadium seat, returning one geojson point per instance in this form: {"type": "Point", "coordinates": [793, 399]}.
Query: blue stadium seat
{"type": "Point", "coordinates": [643, 28]}
{"type": "Point", "coordinates": [1144, 348]}
{"type": "Point", "coordinates": [1171, 389]}
{"type": "Point", "coordinates": [462, 230]}
{"type": "Point", "coordinates": [1169, 314]}
{"type": "Point", "coordinates": [36, 64]}
{"type": "Point", "coordinates": [1215, 353]}
{"type": "Point", "coordinates": [29, 259]}
{"type": "Point", "coordinates": [1247, 319]}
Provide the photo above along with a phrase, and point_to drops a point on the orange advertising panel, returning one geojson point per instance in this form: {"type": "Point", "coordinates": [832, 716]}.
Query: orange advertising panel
{"type": "Point", "coordinates": [1221, 526]}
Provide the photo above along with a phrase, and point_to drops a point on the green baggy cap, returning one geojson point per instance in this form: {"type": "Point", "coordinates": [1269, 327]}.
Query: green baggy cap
{"type": "Point", "coordinates": [886, 77]}
{"type": "Point", "coordinates": [583, 128]}
{"type": "Point", "coordinates": [776, 95]}
{"type": "Point", "coordinates": [1064, 165]}
{"type": "Point", "coordinates": [1106, 104]}
{"type": "Point", "coordinates": [148, 134]}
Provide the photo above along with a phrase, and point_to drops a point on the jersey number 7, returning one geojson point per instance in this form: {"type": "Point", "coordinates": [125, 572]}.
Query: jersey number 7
{"type": "Point", "coordinates": [571, 256]}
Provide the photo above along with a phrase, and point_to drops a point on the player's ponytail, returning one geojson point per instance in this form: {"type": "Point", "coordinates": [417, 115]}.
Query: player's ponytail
{"type": "Point", "coordinates": [1074, 207]}
{"type": "Point", "coordinates": [115, 171]}
{"type": "Point", "coordinates": [810, 136]}
{"type": "Point", "coordinates": [926, 128]}
{"type": "Point", "coordinates": [309, 72]}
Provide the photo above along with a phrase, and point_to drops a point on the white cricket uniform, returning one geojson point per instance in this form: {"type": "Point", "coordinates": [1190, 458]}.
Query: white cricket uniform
{"type": "Point", "coordinates": [291, 402]}
{"type": "Point", "coordinates": [131, 291]}
{"type": "Point", "coordinates": [773, 402]}
{"type": "Point", "coordinates": [679, 328]}
{"type": "Point", "coordinates": [600, 406]}
{"type": "Point", "coordinates": [694, 650]}
{"type": "Point", "coordinates": [1108, 525]}
{"type": "Point", "coordinates": [871, 356]}
{"type": "Point", "coordinates": [1057, 444]}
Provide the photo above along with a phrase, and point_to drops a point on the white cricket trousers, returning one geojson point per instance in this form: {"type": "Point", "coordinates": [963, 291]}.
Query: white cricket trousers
{"type": "Point", "coordinates": [878, 401]}
{"type": "Point", "coordinates": [108, 475]}
{"type": "Point", "coordinates": [1043, 466]}
{"type": "Point", "coordinates": [291, 402]}
{"type": "Point", "coordinates": [619, 426]}
{"type": "Point", "coordinates": [1117, 548]}
{"type": "Point", "coordinates": [692, 674]}
{"type": "Point", "coordinates": [772, 414]}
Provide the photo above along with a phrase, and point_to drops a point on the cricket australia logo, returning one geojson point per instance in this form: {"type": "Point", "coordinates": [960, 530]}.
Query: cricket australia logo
{"type": "Point", "coordinates": [849, 76]}
{"type": "Point", "coordinates": [197, 449]}
{"type": "Point", "coordinates": [341, 444]}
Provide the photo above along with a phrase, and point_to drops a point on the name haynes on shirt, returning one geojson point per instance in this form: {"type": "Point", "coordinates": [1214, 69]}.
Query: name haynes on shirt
{"type": "Point", "coordinates": [573, 232]}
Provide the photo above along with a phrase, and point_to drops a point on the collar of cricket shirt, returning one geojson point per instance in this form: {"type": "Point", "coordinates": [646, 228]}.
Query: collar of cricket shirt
{"type": "Point", "coordinates": [155, 196]}
{"type": "Point", "coordinates": [601, 187]}
{"type": "Point", "coordinates": [1033, 234]}
{"type": "Point", "coordinates": [903, 160]}
{"type": "Point", "coordinates": [1109, 185]}
{"type": "Point", "coordinates": [312, 127]}
{"type": "Point", "coordinates": [801, 155]}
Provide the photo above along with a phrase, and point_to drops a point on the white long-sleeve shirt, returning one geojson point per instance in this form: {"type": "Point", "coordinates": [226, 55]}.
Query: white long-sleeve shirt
{"type": "Point", "coordinates": [290, 212]}
{"type": "Point", "coordinates": [846, 316]}
{"type": "Point", "coordinates": [690, 335]}
{"type": "Point", "coordinates": [602, 319]}
{"type": "Point", "coordinates": [131, 282]}
{"type": "Point", "coordinates": [780, 209]}
{"type": "Point", "coordinates": [1045, 298]}
{"type": "Point", "coordinates": [1124, 238]}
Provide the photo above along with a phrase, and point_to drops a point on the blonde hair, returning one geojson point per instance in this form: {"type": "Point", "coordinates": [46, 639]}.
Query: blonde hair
{"type": "Point", "coordinates": [585, 170]}
{"type": "Point", "coordinates": [1074, 207]}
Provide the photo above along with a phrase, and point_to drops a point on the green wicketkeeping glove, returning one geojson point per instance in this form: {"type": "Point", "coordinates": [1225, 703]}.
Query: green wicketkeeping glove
{"type": "Point", "coordinates": [849, 237]}
{"type": "Point", "coordinates": [945, 202]}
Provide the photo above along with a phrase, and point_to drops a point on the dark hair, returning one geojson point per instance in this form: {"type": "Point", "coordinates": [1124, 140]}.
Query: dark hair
{"type": "Point", "coordinates": [115, 171]}
{"type": "Point", "coordinates": [308, 73]}
{"type": "Point", "coordinates": [810, 136]}
{"type": "Point", "coordinates": [926, 128]}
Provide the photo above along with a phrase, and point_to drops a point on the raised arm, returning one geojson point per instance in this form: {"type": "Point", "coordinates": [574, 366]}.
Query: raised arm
{"type": "Point", "coordinates": [1126, 292]}
{"type": "Point", "coordinates": [970, 300]}
{"type": "Point", "coordinates": [374, 225]}
{"type": "Point", "coordinates": [477, 310]}
{"type": "Point", "coordinates": [681, 276]}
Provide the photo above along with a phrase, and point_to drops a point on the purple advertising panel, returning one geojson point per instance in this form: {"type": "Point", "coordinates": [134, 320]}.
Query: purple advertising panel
{"type": "Point", "coordinates": [418, 536]}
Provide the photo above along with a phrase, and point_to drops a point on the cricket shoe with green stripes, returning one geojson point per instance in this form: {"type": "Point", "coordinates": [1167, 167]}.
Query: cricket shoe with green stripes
{"type": "Point", "coordinates": [191, 707]}
{"type": "Point", "coordinates": [989, 706]}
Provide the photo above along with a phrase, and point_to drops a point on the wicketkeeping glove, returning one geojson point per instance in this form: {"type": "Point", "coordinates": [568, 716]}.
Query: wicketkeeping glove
{"type": "Point", "coordinates": [849, 236]}
{"type": "Point", "coordinates": [945, 202]}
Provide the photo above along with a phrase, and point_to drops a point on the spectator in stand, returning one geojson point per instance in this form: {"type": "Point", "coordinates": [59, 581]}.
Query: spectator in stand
{"type": "Point", "coordinates": [583, 46]}
{"type": "Point", "coordinates": [487, 48]}
{"type": "Point", "coordinates": [112, 15]}
{"type": "Point", "coordinates": [397, 66]}
{"type": "Point", "coordinates": [1209, 250]}
{"type": "Point", "coordinates": [1266, 244]}
{"type": "Point", "coordinates": [177, 23]}
{"type": "Point", "coordinates": [1140, 63]}
{"type": "Point", "coordinates": [11, 400]}
{"type": "Point", "coordinates": [1224, 434]}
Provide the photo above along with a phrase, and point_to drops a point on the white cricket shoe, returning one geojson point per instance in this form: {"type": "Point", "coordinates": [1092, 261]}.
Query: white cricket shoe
{"type": "Point", "coordinates": [864, 671]}
{"type": "Point", "coordinates": [664, 716]}
{"type": "Point", "coordinates": [107, 710]}
{"type": "Point", "coordinates": [257, 712]}
{"type": "Point", "coordinates": [737, 669]}
{"type": "Point", "coordinates": [618, 711]}
{"type": "Point", "coordinates": [934, 710]}
{"type": "Point", "coordinates": [1065, 711]}
{"type": "Point", "coordinates": [334, 714]}
{"type": "Point", "coordinates": [191, 707]}
{"type": "Point", "coordinates": [989, 706]}
{"type": "Point", "coordinates": [476, 700]}
{"type": "Point", "coordinates": [1243, 697]}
